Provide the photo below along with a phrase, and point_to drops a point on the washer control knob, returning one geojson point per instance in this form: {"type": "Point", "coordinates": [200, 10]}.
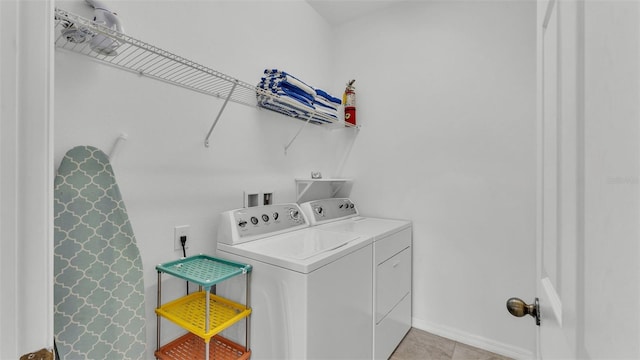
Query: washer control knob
{"type": "Point", "coordinates": [265, 217]}
{"type": "Point", "coordinates": [319, 210]}
{"type": "Point", "coordinates": [294, 214]}
{"type": "Point", "coordinates": [275, 216]}
{"type": "Point", "coordinates": [242, 223]}
{"type": "Point", "coordinates": [254, 220]}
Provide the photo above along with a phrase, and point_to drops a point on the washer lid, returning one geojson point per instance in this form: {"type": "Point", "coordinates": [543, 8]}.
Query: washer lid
{"type": "Point", "coordinates": [303, 250]}
{"type": "Point", "coordinates": [305, 245]}
{"type": "Point", "coordinates": [366, 226]}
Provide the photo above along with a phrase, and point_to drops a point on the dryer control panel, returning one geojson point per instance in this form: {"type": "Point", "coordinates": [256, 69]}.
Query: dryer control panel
{"type": "Point", "coordinates": [247, 224]}
{"type": "Point", "coordinates": [326, 210]}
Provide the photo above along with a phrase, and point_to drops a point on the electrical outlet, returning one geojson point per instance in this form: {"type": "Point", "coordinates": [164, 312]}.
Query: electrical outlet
{"type": "Point", "coordinates": [178, 232]}
{"type": "Point", "coordinates": [257, 198]}
{"type": "Point", "coordinates": [267, 198]}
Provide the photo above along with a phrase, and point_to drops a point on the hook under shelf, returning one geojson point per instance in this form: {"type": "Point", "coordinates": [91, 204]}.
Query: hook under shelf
{"type": "Point", "coordinates": [117, 144]}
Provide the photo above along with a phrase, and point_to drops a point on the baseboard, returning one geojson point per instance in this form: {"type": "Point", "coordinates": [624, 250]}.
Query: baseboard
{"type": "Point", "coordinates": [473, 340]}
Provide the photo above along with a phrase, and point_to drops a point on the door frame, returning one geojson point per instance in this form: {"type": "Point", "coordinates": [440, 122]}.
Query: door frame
{"type": "Point", "coordinates": [26, 185]}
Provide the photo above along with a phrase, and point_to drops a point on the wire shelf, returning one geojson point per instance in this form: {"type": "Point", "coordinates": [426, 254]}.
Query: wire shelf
{"type": "Point", "coordinates": [74, 33]}
{"type": "Point", "coordinates": [80, 35]}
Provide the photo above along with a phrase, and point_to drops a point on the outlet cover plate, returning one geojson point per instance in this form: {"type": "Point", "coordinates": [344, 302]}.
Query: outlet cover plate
{"type": "Point", "coordinates": [179, 231]}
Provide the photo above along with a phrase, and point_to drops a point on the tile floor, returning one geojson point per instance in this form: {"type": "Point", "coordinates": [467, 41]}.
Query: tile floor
{"type": "Point", "coordinates": [419, 345]}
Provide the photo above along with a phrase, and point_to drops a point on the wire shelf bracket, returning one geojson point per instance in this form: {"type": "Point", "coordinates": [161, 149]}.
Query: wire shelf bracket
{"type": "Point", "coordinates": [215, 122]}
{"type": "Point", "coordinates": [286, 147]}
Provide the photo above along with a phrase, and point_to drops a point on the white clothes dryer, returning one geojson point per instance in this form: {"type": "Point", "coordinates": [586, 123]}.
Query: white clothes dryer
{"type": "Point", "coordinates": [311, 290]}
{"type": "Point", "coordinates": [392, 258]}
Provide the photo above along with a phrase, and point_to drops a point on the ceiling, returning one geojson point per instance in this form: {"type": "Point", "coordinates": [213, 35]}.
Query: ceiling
{"type": "Point", "coordinates": [337, 12]}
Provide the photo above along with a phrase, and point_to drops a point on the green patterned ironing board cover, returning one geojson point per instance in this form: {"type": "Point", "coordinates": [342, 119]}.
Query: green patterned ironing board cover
{"type": "Point", "coordinates": [99, 287]}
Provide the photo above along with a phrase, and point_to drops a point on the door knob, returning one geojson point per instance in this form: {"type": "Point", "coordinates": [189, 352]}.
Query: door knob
{"type": "Point", "coordinates": [519, 308]}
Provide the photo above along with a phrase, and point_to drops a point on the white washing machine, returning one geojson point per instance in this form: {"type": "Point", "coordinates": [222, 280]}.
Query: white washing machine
{"type": "Point", "coordinates": [311, 290]}
{"type": "Point", "coordinates": [392, 258]}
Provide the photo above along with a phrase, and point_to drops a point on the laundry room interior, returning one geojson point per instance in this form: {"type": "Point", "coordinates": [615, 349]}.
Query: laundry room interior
{"type": "Point", "coordinates": [446, 137]}
{"type": "Point", "coordinates": [490, 167]}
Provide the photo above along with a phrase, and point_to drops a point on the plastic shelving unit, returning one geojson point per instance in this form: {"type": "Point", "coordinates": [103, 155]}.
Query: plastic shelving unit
{"type": "Point", "coordinates": [201, 313]}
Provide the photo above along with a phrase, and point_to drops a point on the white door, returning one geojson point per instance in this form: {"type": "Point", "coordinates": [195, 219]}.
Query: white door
{"type": "Point", "coordinates": [558, 170]}
{"type": "Point", "coordinates": [588, 197]}
{"type": "Point", "coordinates": [558, 191]}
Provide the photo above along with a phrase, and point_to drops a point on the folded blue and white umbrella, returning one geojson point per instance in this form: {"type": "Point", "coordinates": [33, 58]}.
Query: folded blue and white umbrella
{"type": "Point", "coordinates": [294, 108]}
{"type": "Point", "coordinates": [277, 74]}
{"type": "Point", "coordinates": [297, 99]}
{"type": "Point", "coordinates": [325, 95]}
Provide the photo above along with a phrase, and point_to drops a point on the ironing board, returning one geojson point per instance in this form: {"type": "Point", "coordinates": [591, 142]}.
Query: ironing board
{"type": "Point", "coordinates": [98, 283]}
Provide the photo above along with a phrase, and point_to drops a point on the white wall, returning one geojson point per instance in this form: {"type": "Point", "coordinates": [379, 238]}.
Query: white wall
{"type": "Point", "coordinates": [8, 184]}
{"type": "Point", "coordinates": [166, 175]}
{"type": "Point", "coordinates": [446, 98]}
{"type": "Point", "coordinates": [610, 268]}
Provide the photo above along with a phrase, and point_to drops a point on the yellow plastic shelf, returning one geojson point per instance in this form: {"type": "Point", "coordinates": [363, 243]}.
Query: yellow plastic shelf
{"type": "Point", "coordinates": [191, 347]}
{"type": "Point", "coordinates": [189, 312]}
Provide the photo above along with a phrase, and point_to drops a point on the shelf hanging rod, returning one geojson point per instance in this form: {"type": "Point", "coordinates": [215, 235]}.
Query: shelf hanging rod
{"type": "Point", "coordinates": [224, 104]}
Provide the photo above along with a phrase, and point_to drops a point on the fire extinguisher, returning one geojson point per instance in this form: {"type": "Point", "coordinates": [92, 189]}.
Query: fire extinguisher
{"type": "Point", "coordinates": [349, 100]}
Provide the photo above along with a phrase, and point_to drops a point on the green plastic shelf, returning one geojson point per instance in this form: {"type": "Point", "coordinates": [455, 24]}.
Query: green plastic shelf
{"type": "Point", "coordinates": [203, 270]}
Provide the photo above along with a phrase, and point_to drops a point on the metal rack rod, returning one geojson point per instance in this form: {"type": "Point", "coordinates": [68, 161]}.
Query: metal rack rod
{"type": "Point", "coordinates": [206, 321]}
{"type": "Point", "coordinates": [247, 320]}
{"type": "Point", "coordinates": [159, 303]}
